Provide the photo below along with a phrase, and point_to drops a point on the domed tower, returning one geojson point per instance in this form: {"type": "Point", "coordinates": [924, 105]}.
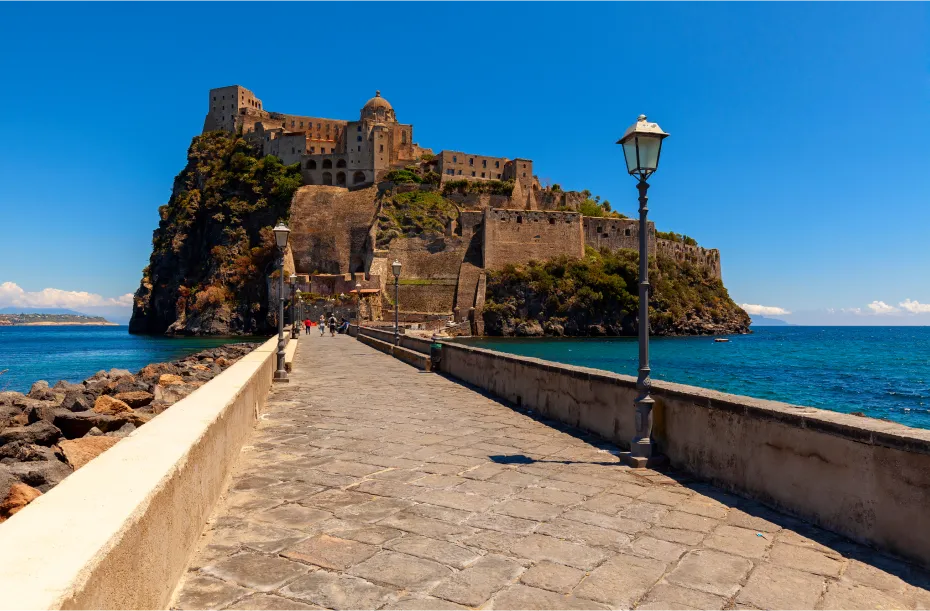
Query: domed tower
{"type": "Point", "coordinates": [378, 109]}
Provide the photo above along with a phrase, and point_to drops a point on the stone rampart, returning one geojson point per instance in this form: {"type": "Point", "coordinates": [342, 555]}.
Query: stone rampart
{"type": "Point", "coordinates": [708, 258]}
{"type": "Point", "coordinates": [613, 233]}
{"type": "Point", "coordinates": [518, 236]}
{"type": "Point", "coordinates": [118, 533]}
{"type": "Point", "coordinates": [863, 478]}
{"type": "Point", "coordinates": [329, 228]}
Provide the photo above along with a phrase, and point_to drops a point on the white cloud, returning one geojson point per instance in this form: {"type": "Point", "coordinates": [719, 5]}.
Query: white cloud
{"type": "Point", "coordinates": [11, 294]}
{"type": "Point", "coordinates": [915, 307]}
{"type": "Point", "coordinates": [764, 310]}
{"type": "Point", "coordinates": [880, 307]}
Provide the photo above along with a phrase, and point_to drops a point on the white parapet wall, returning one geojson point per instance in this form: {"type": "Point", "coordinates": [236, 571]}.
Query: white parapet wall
{"type": "Point", "coordinates": [119, 532]}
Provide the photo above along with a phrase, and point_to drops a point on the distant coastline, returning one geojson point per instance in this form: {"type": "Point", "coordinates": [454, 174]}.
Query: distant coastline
{"type": "Point", "coordinates": [105, 323]}
{"type": "Point", "coordinates": [30, 319]}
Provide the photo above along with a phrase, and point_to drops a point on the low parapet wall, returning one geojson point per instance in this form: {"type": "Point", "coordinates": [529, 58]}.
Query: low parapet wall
{"type": "Point", "coordinates": [864, 478]}
{"type": "Point", "coordinates": [119, 532]}
{"type": "Point", "coordinates": [417, 344]}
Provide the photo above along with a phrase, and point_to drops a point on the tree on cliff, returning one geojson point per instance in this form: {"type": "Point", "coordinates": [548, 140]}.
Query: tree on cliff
{"type": "Point", "coordinates": [213, 248]}
{"type": "Point", "coordinates": [598, 295]}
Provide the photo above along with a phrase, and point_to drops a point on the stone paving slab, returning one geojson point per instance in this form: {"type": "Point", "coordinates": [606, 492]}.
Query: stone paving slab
{"type": "Point", "coordinates": [369, 484]}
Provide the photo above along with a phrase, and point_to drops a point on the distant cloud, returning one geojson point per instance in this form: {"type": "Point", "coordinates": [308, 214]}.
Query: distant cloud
{"type": "Point", "coordinates": [880, 307]}
{"type": "Point", "coordinates": [764, 310]}
{"type": "Point", "coordinates": [11, 294]}
{"type": "Point", "coordinates": [915, 307]}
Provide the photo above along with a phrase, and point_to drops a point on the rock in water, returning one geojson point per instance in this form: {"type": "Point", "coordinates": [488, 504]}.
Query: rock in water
{"type": "Point", "coordinates": [109, 406]}
{"type": "Point", "coordinates": [18, 497]}
{"type": "Point", "coordinates": [79, 452]}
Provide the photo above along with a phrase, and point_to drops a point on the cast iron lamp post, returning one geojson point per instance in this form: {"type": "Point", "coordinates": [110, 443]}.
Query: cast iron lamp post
{"type": "Point", "coordinates": [281, 233]}
{"type": "Point", "coordinates": [358, 305]}
{"type": "Point", "coordinates": [642, 144]}
{"type": "Point", "coordinates": [395, 267]}
{"type": "Point", "coordinates": [294, 326]}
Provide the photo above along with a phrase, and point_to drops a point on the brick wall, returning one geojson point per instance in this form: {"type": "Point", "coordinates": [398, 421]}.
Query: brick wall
{"type": "Point", "coordinates": [517, 236]}
{"type": "Point", "coordinates": [616, 233]}
{"type": "Point", "coordinates": [708, 258]}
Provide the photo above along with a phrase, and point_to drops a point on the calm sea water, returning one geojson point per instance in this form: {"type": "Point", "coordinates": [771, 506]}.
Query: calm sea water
{"type": "Point", "coordinates": [75, 353]}
{"type": "Point", "coordinates": [883, 372]}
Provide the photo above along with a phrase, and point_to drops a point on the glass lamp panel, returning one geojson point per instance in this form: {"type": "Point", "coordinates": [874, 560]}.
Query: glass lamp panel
{"type": "Point", "coordinates": [649, 152]}
{"type": "Point", "coordinates": [280, 235]}
{"type": "Point", "coordinates": [396, 268]}
{"type": "Point", "coordinates": [629, 153]}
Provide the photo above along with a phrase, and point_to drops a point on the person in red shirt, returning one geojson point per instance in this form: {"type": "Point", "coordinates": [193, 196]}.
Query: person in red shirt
{"type": "Point", "coordinates": [307, 324]}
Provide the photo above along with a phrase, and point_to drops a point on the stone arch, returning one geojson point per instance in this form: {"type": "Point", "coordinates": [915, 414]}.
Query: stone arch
{"type": "Point", "coordinates": [327, 178]}
{"type": "Point", "coordinates": [341, 163]}
{"type": "Point", "coordinates": [311, 164]}
{"type": "Point", "coordinates": [310, 180]}
{"type": "Point", "coordinates": [358, 177]}
{"type": "Point", "coordinates": [327, 164]}
{"type": "Point", "coordinates": [341, 179]}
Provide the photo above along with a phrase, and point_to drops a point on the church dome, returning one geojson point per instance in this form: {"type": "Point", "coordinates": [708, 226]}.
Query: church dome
{"type": "Point", "coordinates": [378, 108]}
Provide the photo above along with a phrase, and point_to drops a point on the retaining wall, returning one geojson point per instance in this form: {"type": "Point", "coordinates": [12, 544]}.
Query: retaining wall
{"type": "Point", "coordinates": [864, 478]}
{"type": "Point", "coordinates": [118, 533]}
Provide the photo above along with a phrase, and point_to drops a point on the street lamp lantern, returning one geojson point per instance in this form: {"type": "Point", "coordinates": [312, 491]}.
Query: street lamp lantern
{"type": "Point", "coordinates": [281, 233]}
{"type": "Point", "coordinates": [395, 267]}
{"type": "Point", "coordinates": [642, 144]}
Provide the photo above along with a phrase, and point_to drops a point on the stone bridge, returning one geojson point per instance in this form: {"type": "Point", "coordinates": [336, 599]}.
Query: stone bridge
{"type": "Point", "coordinates": [368, 483]}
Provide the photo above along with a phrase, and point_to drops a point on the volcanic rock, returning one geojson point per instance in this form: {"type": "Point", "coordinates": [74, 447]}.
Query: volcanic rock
{"type": "Point", "coordinates": [26, 452]}
{"type": "Point", "coordinates": [169, 379]}
{"type": "Point", "coordinates": [41, 433]}
{"type": "Point", "coordinates": [79, 452]}
{"type": "Point", "coordinates": [18, 497]}
{"type": "Point", "coordinates": [110, 406]}
{"type": "Point", "coordinates": [42, 474]}
{"type": "Point", "coordinates": [135, 398]}
{"type": "Point", "coordinates": [78, 424]}
{"type": "Point", "coordinates": [76, 401]}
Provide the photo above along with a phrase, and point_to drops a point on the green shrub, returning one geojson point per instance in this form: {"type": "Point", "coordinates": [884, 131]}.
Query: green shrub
{"type": "Point", "coordinates": [401, 176]}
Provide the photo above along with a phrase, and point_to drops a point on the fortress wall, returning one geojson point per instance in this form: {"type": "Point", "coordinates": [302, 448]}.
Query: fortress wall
{"type": "Point", "coordinates": [517, 236]}
{"type": "Point", "coordinates": [433, 261]}
{"type": "Point", "coordinates": [613, 233]}
{"type": "Point", "coordinates": [329, 228]}
{"type": "Point", "coordinates": [708, 258]}
{"type": "Point", "coordinates": [470, 220]}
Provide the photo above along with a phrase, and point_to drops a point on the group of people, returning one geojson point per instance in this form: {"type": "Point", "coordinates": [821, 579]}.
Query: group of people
{"type": "Point", "coordinates": [331, 323]}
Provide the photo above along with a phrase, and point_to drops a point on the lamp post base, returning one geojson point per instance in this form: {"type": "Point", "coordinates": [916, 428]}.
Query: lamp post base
{"type": "Point", "coordinates": [642, 462]}
{"type": "Point", "coordinates": [280, 376]}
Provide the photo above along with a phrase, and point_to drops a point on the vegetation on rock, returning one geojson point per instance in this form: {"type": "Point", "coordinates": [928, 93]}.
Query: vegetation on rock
{"type": "Point", "coordinates": [214, 247]}
{"type": "Point", "coordinates": [493, 187]}
{"type": "Point", "coordinates": [413, 214]}
{"type": "Point", "coordinates": [598, 295]}
{"type": "Point", "coordinates": [676, 237]}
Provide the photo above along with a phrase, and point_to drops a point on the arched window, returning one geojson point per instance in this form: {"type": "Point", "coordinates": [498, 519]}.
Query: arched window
{"type": "Point", "coordinates": [327, 178]}
{"type": "Point", "coordinates": [327, 164]}
{"type": "Point", "coordinates": [358, 177]}
{"type": "Point", "coordinates": [341, 179]}
{"type": "Point", "coordinates": [311, 165]}
{"type": "Point", "coordinates": [341, 163]}
{"type": "Point", "coordinates": [454, 159]}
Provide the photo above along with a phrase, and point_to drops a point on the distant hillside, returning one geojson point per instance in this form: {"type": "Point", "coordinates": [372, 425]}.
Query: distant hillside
{"type": "Point", "coordinates": [21, 310]}
{"type": "Point", "coordinates": [10, 320]}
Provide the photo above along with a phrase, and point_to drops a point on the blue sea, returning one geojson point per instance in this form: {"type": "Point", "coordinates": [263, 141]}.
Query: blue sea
{"type": "Point", "coordinates": [75, 353]}
{"type": "Point", "coordinates": [883, 372]}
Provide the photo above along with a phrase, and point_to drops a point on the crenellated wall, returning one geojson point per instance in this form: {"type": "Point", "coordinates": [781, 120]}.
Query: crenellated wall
{"type": "Point", "coordinates": [708, 258]}
{"type": "Point", "coordinates": [518, 236]}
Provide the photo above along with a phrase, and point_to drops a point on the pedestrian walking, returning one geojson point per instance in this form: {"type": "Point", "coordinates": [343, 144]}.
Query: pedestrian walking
{"type": "Point", "coordinates": [332, 325]}
{"type": "Point", "coordinates": [307, 324]}
{"type": "Point", "coordinates": [322, 324]}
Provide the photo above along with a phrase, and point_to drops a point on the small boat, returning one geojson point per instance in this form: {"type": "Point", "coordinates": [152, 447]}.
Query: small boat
{"type": "Point", "coordinates": [721, 339]}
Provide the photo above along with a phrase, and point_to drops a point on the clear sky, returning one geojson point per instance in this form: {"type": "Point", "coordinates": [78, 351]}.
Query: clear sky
{"type": "Point", "coordinates": [800, 133]}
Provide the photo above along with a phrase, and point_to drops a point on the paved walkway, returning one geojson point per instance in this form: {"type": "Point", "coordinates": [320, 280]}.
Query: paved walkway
{"type": "Point", "coordinates": [372, 485]}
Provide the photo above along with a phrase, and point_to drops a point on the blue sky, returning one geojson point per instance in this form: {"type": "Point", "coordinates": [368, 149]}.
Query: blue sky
{"type": "Point", "coordinates": [800, 133]}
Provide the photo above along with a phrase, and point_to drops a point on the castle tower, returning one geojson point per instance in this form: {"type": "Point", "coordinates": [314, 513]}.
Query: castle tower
{"type": "Point", "coordinates": [225, 105]}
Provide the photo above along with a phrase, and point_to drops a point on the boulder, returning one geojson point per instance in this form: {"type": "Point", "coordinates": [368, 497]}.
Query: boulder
{"type": "Point", "coordinates": [169, 379]}
{"type": "Point", "coordinates": [79, 452]}
{"type": "Point", "coordinates": [110, 406]}
{"type": "Point", "coordinates": [135, 398]}
{"type": "Point", "coordinates": [40, 433]}
{"type": "Point", "coordinates": [153, 371]}
{"type": "Point", "coordinates": [12, 416]}
{"type": "Point", "coordinates": [123, 431]}
{"type": "Point", "coordinates": [63, 386]}
{"type": "Point", "coordinates": [100, 375]}
{"type": "Point", "coordinates": [529, 328]}
{"type": "Point", "coordinates": [41, 410]}
{"type": "Point", "coordinates": [93, 432]}
{"type": "Point", "coordinates": [7, 480]}
{"type": "Point", "coordinates": [222, 362]}
{"type": "Point", "coordinates": [120, 373]}
{"type": "Point", "coordinates": [18, 497]}
{"type": "Point", "coordinates": [41, 391]}
{"type": "Point", "coordinates": [76, 401]}
{"type": "Point", "coordinates": [26, 452]}
{"type": "Point", "coordinates": [10, 397]}
{"type": "Point", "coordinates": [42, 474]}
{"type": "Point", "coordinates": [172, 394]}
{"type": "Point", "coordinates": [78, 424]}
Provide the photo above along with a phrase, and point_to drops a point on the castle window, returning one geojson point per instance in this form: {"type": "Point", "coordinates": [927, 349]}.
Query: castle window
{"type": "Point", "coordinates": [341, 163]}
{"type": "Point", "coordinates": [498, 175]}
{"type": "Point", "coordinates": [358, 138]}
{"type": "Point", "coordinates": [551, 221]}
{"type": "Point", "coordinates": [359, 128]}
{"type": "Point", "coordinates": [454, 159]}
{"type": "Point", "coordinates": [497, 164]}
{"type": "Point", "coordinates": [482, 175]}
{"type": "Point", "coordinates": [312, 150]}
{"type": "Point", "coordinates": [327, 163]}
{"type": "Point", "coordinates": [484, 163]}
{"type": "Point", "coordinates": [403, 137]}
{"type": "Point", "coordinates": [519, 219]}
{"type": "Point", "coordinates": [292, 124]}
{"type": "Point", "coordinates": [524, 175]}
{"type": "Point", "coordinates": [627, 233]}
{"type": "Point", "coordinates": [450, 172]}
{"type": "Point", "coordinates": [599, 228]}
{"type": "Point", "coordinates": [301, 123]}
{"type": "Point", "coordinates": [472, 173]}
{"type": "Point", "coordinates": [293, 150]}
{"type": "Point", "coordinates": [380, 148]}
{"type": "Point", "coordinates": [311, 165]}
{"type": "Point", "coordinates": [460, 172]}
{"type": "Point", "coordinates": [471, 161]}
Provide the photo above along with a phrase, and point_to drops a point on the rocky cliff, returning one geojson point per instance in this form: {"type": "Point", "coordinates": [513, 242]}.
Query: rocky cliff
{"type": "Point", "coordinates": [598, 295]}
{"type": "Point", "coordinates": [214, 248]}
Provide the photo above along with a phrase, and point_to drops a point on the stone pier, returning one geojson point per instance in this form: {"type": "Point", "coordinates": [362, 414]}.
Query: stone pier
{"type": "Point", "coordinates": [371, 484]}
